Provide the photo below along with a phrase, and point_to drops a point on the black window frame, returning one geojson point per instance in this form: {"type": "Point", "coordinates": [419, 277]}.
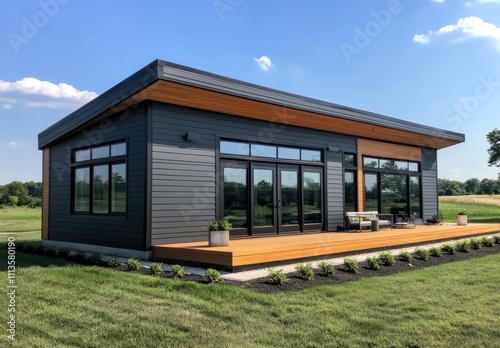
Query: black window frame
{"type": "Point", "coordinates": [91, 164]}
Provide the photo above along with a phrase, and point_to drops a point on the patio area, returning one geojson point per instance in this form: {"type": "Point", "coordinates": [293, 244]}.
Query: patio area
{"type": "Point", "coordinates": [258, 252]}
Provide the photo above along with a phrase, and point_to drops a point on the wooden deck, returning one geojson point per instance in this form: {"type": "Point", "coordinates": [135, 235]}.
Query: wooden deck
{"type": "Point", "coordinates": [261, 251]}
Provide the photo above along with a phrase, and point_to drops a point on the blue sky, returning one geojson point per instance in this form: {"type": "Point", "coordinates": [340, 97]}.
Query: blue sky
{"type": "Point", "coordinates": [431, 62]}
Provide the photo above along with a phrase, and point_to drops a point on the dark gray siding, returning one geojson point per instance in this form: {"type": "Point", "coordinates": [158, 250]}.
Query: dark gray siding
{"type": "Point", "coordinates": [115, 231]}
{"type": "Point", "coordinates": [429, 183]}
{"type": "Point", "coordinates": [184, 183]}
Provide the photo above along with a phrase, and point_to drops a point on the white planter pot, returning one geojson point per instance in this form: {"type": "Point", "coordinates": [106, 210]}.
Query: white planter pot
{"type": "Point", "coordinates": [218, 238]}
{"type": "Point", "coordinates": [462, 220]}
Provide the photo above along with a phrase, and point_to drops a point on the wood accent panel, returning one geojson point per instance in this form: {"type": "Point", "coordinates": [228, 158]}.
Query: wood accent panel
{"type": "Point", "coordinates": [262, 250]}
{"type": "Point", "coordinates": [381, 149]}
{"type": "Point", "coordinates": [45, 192]}
{"type": "Point", "coordinates": [179, 94]}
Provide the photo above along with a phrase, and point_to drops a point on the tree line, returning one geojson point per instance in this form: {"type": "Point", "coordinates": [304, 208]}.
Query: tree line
{"type": "Point", "coordinates": [469, 187]}
{"type": "Point", "coordinates": [18, 193]}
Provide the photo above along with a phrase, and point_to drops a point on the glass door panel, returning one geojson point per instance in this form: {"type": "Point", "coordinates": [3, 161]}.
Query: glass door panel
{"type": "Point", "coordinates": [312, 199]}
{"type": "Point", "coordinates": [393, 194]}
{"type": "Point", "coordinates": [263, 198]}
{"type": "Point", "coordinates": [236, 197]}
{"type": "Point", "coordinates": [415, 197]}
{"type": "Point", "coordinates": [288, 200]}
{"type": "Point", "coordinates": [371, 192]}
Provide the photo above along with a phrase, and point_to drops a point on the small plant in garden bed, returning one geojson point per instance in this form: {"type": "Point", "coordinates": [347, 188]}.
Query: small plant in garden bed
{"type": "Point", "coordinates": [463, 246]}
{"type": "Point", "coordinates": [386, 259]}
{"type": "Point", "coordinates": [178, 271]}
{"type": "Point", "coordinates": [422, 254]}
{"type": "Point", "coordinates": [38, 249]}
{"type": "Point", "coordinates": [327, 268]}
{"type": "Point", "coordinates": [51, 252]}
{"type": "Point", "coordinates": [113, 263]}
{"type": "Point", "coordinates": [28, 248]}
{"type": "Point", "coordinates": [133, 264]}
{"type": "Point", "coordinates": [95, 259]}
{"type": "Point", "coordinates": [155, 269]}
{"type": "Point", "coordinates": [79, 257]}
{"type": "Point", "coordinates": [277, 277]}
{"type": "Point", "coordinates": [306, 271]}
{"type": "Point", "coordinates": [436, 252]}
{"type": "Point", "coordinates": [449, 248]}
{"type": "Point", "coordinates": [351, 265]}
{"type": "Point", "coordinates": [476, 243]}
{"type": "Point", "coordinates": [63, 253]}
{"type": "Point", "coordinates": [213, 275]}
{"type": "Point", "coordinates": [488, 242]}
{"type": "Point", "coordinates": [372, 262]}
{"type": "Point", "coordinates": [497, 239]}
{"type": "Point", "coordinates": [406, 256]}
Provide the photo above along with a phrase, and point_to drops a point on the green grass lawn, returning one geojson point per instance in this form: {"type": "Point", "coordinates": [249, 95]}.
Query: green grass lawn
{"type": "Point", "coordinates": [20, 219]}
{"type": "Point", "coordinates": [60, 304]}
{"type": "Point", "coordinates": [479, 208]}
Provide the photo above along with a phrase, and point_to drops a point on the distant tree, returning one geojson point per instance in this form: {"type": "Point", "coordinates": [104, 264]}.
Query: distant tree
{"type": "Point", "coordinates": [450, 187]}
{"type": "Point", "coordinates": [494, 150]}
{"type": "Point", "coordinates": [34, 189]}
{"type": "Point", "coordinates": [472, 186]}
{"type": "Point", "coordinates": [18, 189]}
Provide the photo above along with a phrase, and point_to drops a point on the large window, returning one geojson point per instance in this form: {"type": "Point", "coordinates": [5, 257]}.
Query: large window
{"type": "Point", "coordinates": [392, 186]}
{"type": "Point", "coordinates": [100, 179]}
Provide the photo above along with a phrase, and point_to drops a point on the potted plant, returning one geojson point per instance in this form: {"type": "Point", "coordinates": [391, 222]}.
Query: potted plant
{"type": "Point", "coordinates": [218, 232]}
{"type": "Point", "coordinates": [462, 218]}
{"type": "Point", "coordinates": [434, 220]}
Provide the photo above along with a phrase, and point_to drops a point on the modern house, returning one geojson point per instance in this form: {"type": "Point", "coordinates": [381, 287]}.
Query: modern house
{"type": "Point", "coordinates": [156, 157]}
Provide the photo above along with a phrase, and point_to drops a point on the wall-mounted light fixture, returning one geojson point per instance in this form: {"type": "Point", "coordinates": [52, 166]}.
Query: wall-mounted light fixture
{"type": "Point", "coordinates": [192, 136]}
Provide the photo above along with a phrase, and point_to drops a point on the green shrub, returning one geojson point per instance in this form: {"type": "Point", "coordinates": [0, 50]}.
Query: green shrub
{"type": "Point", "coordinates": [51, 252]}
{"type": "Point", "coordinates": [351, 265]}
{"type": "Point", "coordinates": [372, 262]}
{"type": "Point", "coordinates": [327, 268]}
{"type": "Point", "coordinates": [63, 253]}
{"type": "Point", "coordinates": [277, 277]}
{"type": "Point", "coordinates": [497, 239]}
{"type": "Point", "coordinates": [155, 268]}
{"type": "Point", "coordinates": [94, 259]}
{"type": "Point", "coordinates": [80, 257]}
{"type": "Point", "coordinates": [133, 264]}
{"type": "Point", "coordinates": [449, 248]}
{"type": "Point", "coordinates": [476, 243]}
{"type": "Point", "coordinates": [406, 256]}
{"type": "Point", "coordinates": [422, 254]}
{"type": "Point", "coordinates": [488, 242]}
{"type": "Point", "coordinates": [113, 263]}
{"type": "Point", "coordinates": [306, 271]}
{"type": "Point", "coordinates": [386, 259]}
{"type": "Point", "coordinates": [38, 249]}
{"type": "Point", "coordinates": [213, 275]}
{"type": "Point", "coordinates": [28, 248]}
{"type": "Point", "coordinates": [436, 252]}
{"type": "Point", "coordinates": [463, 246]}
{"type": "Point", "coordinates": [178, 271]}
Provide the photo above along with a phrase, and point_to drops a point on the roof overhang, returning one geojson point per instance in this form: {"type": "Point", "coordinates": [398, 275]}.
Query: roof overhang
{"type": "Point", "coordinates": [178, 85]}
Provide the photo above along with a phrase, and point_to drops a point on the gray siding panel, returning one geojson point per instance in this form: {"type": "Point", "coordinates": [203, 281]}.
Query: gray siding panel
{"type": "Point", "coordinates": [429, 183]}
{"type": "Point", "coordinates": [184, 185]}
{"type": "Point", "coordinates": [114, 231]}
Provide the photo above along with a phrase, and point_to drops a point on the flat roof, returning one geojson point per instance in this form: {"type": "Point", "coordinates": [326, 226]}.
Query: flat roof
{"type": "Point", "coordinates": [176, 84]}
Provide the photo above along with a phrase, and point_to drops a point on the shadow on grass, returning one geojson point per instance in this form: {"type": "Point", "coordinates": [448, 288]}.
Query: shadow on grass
{"type": "Point", "coordinates": [24, 260]}
{"type": "Point", "coordinates": [484, 221]}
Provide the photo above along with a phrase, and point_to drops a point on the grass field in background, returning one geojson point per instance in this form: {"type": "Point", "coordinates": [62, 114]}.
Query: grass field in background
{"type": "Point", "coordinates": [60, 304]}
{"type": "Point", "coordinates": [479, 208]}
{"type": "Point", "coordinates": [20, 219]}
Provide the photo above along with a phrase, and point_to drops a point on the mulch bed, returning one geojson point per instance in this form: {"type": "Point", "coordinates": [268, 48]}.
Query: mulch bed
{"type": "Point", "coordinates": [341, 275]}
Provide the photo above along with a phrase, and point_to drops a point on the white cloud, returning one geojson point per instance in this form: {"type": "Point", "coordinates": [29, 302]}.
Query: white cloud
{"type": "Point", "coordinates": [421, 38]}
{"type": "Point", "coordinates": [264, 63]}
{"type": "Point", "coordinates": [467, 27]}
{"type": "Point", "coordinates": [440, 1]}
{"type": "Point", "coordinates": [33, 93]}
{"type": "Point", "coordinates": [16, 144]}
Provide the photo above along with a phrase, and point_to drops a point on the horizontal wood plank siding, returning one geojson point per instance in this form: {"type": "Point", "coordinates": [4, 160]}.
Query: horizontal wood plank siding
{"type": "Point", "coordinates": [380, 149]}
{"type": "Point", "coordinates": [45, 192]}
{"type": "Point", "coordinates": [429, 183]}
{"type": "Point", "coordinates": [114, 231]}
{"type": "Point", "coordinates": [184, 184]}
